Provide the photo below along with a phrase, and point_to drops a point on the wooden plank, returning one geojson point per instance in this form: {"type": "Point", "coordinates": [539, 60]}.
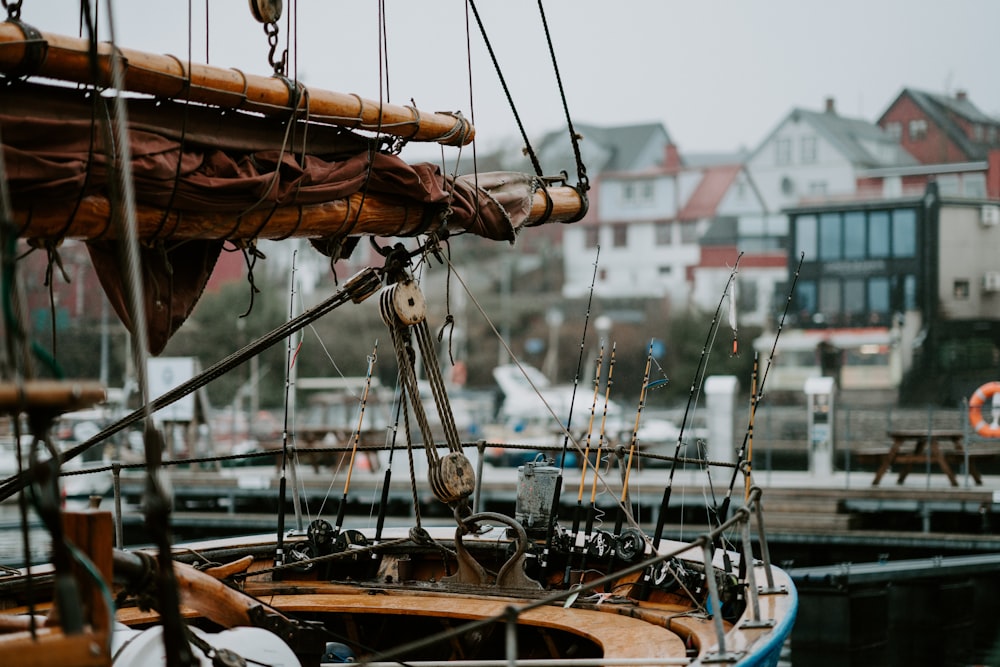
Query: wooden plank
{"type": "Point", "coordinates": [50, 647]}
{"type": "Point", "coordinates": [616, 634]}
{"type": "Point", "coordinates": [93, 533]}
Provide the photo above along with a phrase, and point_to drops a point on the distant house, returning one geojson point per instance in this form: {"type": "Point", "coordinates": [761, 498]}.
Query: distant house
{"type": "Point", "coordinates": [815, 155]}
{"type": "Point", "coordinates": [619, 148]}
{"type": "Point", "coordinates": [649, 224]}
{"type": "Point", "coordinates": [937, 129]}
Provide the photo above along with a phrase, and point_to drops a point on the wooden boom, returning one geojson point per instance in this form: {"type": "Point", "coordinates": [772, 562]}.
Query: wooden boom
{"type": "Point", "coordinates": [378, 217]}
{"type": "Point", "coordinates": [67, 59]}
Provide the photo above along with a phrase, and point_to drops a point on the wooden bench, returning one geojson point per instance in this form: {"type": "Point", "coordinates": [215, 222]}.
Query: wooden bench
{"type": "Point", "coordinates": [942, 447]}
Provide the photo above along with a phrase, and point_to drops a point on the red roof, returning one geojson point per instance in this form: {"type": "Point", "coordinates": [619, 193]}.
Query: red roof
{"type": "Point", "coordinates": [723, 256]}
{"type": "Point", "coordinates": [715, 182]}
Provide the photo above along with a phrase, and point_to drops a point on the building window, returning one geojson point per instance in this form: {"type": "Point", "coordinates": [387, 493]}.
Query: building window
{"type": "Point", "coordinates": [783, 151]}
{"type": "Point", "coordinates": [747, 297]}
{"type": "Point", "coordinates": [854, 235]}
{"type": "Point", "coordinates": [787, 186]}
{"type": "Point", "coordinates": [854, 297]}
{"type": "Point", "coordinates": [974, 186]}
{"type": "Point", "coordinates": [817, 187]}
{"type": "Point", "coordinates": [591, 236]}
{"type": "Point", "coordinates": [806, 236]}
{"type": "Point", "coordinates": [909, 292]}
{"type": "Point", "coordinates": [977, 132]}
{"type": "Point", "coordinates": [918, 129]}
{"type": "Point", "coordinates": [637, 193]}
{"type": "Point", "coordinates": [878, 234]}
{"type": "Point", "coordinates": [808, 147]}
{"type": "Point", "coordinates": [831, 302]}
{"type": "Point", "coordinates": [666, 271]}
{"type": "Point", "coordinates": [948, 185]}
{"type": "Point", "coordinates": [904, 232]}
{"type": "Point", "coordinates": [960, 290]}
{"type": "Point", "coordinates": [689, 231]}
{"type": "Point", "coordinates": [894, 129]}
{"type": "Point", "coordinates": [805, 299]}
{"type": "Point", "coordinates": [663, 232]}
{"type": "Point", "coordinates": [830, 236]}
{"type": "Point", "coordinates": [991, 134]}
{"type": "Point", "coordinates": [619, 236]}
{"type": "Point", "coordinates": [878, 295]}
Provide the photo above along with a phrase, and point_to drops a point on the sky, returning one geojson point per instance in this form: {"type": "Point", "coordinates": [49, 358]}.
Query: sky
{"type": "Point", "coordinates": [719, 74]}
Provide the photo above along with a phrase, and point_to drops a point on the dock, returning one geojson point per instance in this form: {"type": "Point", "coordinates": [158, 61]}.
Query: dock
{"type": "Point", "coordinates": [923, 516]}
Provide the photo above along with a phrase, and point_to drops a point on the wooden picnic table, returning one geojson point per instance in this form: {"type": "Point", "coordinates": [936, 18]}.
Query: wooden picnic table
{"type": "Point", "coordinates": [910, 446]}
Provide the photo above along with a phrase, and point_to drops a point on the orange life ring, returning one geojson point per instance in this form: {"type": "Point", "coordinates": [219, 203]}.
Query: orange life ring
{"type": "Point", "coordinates": [976, 410]}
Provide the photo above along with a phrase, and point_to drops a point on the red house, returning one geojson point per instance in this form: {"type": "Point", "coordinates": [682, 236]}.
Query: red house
{"type": "Point", "coordinates": [938, 129]}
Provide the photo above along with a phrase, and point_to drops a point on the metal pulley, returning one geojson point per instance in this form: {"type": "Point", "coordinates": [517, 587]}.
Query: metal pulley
{"type": "Point", "coordinates": [266, 11]}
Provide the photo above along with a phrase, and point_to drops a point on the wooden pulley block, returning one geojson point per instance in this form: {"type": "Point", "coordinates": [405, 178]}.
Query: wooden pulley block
{"type": "Point", "coordinates": [266, 11]}
{"type": "Point", "coordinates": [452, 479]}
{"type": "Point", "coordinates": [408, 302]}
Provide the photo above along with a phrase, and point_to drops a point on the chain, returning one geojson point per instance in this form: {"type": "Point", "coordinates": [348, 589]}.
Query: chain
{"type": "Point", "coordinates": [271, 30]}
{"type": "Point", "coordinates": [13, 10]}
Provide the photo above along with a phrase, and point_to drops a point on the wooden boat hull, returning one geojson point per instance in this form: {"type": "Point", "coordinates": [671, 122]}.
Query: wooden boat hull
{"type": "Point", "coordinates": [604, 627]}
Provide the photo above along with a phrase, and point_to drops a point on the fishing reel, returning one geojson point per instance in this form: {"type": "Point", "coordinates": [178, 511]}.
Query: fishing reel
{"type": "Point", "coordinates": [320, 539]}
{"type": "Point", "coordinates": [323, 540]}
{"type": "Point", "coordinates": [674, 576]}
{"type": "Point", "coordinates": [630, 545]}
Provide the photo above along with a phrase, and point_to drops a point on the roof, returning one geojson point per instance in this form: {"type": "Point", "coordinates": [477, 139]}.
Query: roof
{"type": "Point", "coordinates": [862, 142]}
{"type": "Point", "coordinates": [621, 147]}
{"type": "Point", "coordinates": [940, 110]}
{"type": "Point", "coordinates": [714, 184]}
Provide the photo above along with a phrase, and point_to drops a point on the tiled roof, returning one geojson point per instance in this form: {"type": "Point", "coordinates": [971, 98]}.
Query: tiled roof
{"type": "Point", "coordinates": [864, 143]}
{"type": "Point", "coordinates": [714, 184]}
{"type": "Point", "coordinates": [621, 147]}
{"type": "Point", "coordinates": [937, 108]}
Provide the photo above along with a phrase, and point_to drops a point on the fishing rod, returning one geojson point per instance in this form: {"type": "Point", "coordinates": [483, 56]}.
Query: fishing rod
{"type": "Point", "coordinates": [758, 393]}
{"type": "Point", "coordinates": [279, 548]}
{"type": "Point", "coordinates": [357, 437]}
{"type": "Point", "coordinates": [391, 444]}
{"type": "Point", "coordinates": [748, 475]}
{"type": "Point", "coordinates": [557, 491]}
{"type": "Point", "coordinates": [699, 372]}
{"type": "Point", "coordinates": [592, 509]}
{"type": "Point", "coordinates": [578, 510]}
{"type": "Point", "coordinates": [632, 444]}
{"type": "Point", "coordinates": [626, 545]}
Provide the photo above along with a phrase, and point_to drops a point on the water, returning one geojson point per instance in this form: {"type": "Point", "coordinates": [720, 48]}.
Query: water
{"type": "Point", "coordinates": [11, 542]}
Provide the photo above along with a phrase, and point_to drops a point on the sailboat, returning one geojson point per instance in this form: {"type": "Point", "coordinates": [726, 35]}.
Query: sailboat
{"type": "Point", "coordinates": [156, 162]}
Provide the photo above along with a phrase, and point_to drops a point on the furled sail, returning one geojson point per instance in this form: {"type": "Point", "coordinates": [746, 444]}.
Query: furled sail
{"type": "Point", "coordinates": [216, 156]}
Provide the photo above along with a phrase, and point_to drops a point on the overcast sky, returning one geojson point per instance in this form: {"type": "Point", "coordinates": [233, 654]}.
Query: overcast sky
{"type": "Point", "coordinates": [719, 74]}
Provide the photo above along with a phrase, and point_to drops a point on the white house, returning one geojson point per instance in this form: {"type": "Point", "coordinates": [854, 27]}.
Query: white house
{"type": "Point", "coordinates": [816, 155]}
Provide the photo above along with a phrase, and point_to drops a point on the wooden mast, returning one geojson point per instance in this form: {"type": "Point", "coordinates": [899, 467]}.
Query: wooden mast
{"type": "Point", "coordinates": [165, 76]}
